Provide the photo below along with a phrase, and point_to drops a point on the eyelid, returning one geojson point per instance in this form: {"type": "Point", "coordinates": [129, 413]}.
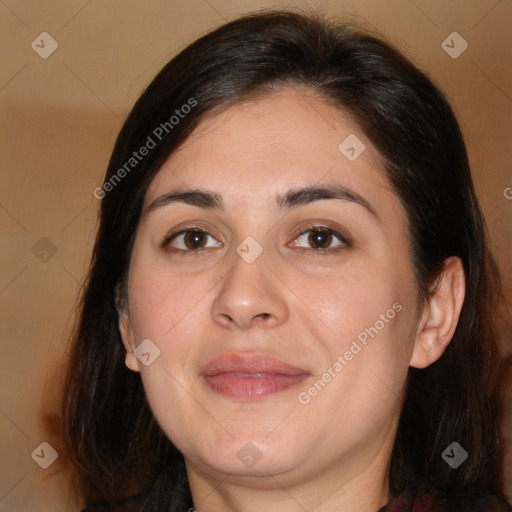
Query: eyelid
{"type": "Point", "coordinates": [313, 226]}
{"type": "Point", "coordinates": [170, 237]}
{"type": "Point", "coordinates": [320, 226]}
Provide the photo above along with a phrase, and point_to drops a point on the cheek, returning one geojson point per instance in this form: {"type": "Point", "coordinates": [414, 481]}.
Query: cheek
{"type": "Point", "coordinates": [161, 303]}
{"type": "Point", "coordinates": [350, 304]}
{"type": "Point", "coordinates": [371, 321]}
{"type": "Point", "coordinates": [168, 399]}
{"type": "Point", "coordinates": [369, 359]}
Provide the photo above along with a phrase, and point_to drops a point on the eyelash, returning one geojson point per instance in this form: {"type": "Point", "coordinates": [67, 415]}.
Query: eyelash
{"type": "Point", "coordinates": [314, 252]}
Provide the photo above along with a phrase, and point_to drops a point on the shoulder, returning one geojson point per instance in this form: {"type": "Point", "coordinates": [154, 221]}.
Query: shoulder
{"type": "Point", "coordinates": [469, 500]}
{"type": "Point", "coordinates": [476, 501]}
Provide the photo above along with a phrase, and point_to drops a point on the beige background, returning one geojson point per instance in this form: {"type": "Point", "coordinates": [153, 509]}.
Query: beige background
{"type": "Point", "coordinates": [60, 117]}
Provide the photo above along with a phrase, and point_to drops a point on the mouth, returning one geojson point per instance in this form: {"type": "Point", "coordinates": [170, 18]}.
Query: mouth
{"type": "Point", "coordinates": [251, 376]}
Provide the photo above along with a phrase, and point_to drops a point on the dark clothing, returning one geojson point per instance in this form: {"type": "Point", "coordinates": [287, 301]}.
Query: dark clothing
{"type": "Point", "coordinates": [470, 501]}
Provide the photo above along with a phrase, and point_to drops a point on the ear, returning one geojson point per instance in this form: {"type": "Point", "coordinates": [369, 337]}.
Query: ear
{"type": "Point", "coordinates": [440, 314]}
{"type": "Point", "coordinates": [125, 329]}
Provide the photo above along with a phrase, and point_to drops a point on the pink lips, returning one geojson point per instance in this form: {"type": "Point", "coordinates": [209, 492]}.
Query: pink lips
{"type": "Point", "coordinates": [250, 376]}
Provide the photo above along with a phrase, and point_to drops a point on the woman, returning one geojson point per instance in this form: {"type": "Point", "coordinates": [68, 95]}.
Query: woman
{"type": "Point", "coordinates": [289, 303]}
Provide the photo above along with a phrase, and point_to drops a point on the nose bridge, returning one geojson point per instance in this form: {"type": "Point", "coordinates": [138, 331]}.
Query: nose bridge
{"type": "Point", "coordinates": [249, 289]}
{"type": "Point", "coordinates": [250, 254]}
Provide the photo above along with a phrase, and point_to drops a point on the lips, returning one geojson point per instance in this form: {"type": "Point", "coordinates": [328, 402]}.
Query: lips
{"type": "Point", "coordinates": [250, 376]}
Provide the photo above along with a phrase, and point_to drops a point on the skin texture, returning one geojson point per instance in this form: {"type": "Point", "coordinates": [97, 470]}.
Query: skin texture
{"type": "Point", "coordinates": [331, 453]}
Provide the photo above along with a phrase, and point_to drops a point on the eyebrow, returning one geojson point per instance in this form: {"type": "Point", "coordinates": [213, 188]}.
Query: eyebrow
{"type": "Point", "coordinates": [292, 199]}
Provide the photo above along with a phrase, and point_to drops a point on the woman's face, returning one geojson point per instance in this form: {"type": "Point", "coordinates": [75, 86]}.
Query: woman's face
{"type": "Point", "coordinates": [308, 300]}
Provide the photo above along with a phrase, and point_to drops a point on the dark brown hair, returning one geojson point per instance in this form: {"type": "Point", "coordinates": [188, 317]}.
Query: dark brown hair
{"type": "Point", "coordinates": [116, 443]}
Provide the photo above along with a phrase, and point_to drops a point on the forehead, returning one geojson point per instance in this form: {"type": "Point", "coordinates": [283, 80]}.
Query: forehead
{"type": "Point", "coordinates": [265, 146]}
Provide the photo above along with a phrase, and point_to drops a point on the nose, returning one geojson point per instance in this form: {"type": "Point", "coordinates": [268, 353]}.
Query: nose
{"type": "Point", "coordinates": [250, 295]}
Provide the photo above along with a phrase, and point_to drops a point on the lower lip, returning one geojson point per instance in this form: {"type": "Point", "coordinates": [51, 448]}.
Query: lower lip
{"type": "Point", "coordinates": [250, 388]}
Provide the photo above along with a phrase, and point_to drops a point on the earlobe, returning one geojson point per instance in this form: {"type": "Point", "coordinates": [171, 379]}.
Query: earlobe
{"type": "Point", "coordinates": [440, 315]}
{"type": "Point", "coordinates": [126, 335]}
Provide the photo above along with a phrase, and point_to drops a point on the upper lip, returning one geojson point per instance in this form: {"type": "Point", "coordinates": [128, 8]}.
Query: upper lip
{"type": "Point", "coordinates": [249, 363]}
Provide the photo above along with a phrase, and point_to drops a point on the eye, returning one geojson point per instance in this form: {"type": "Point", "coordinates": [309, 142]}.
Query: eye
{"type": "Point", "coordinates": [194, 240]}
{"type": "Point", "coordinates": [322, 239]}
{"type": "Point", "coordinates": [189, 240]}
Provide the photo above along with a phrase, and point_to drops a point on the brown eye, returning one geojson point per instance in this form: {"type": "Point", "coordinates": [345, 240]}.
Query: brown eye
{"type": "Point", "coordinates": [189, 240]}
{"type": "Point", "coordinates": [322, 239]}
{"type": "Point", "coordinates": [194, 239]}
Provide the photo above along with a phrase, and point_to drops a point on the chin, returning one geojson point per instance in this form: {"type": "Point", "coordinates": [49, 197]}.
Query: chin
{"type": "Point", "coordinates": [240, 457]}
{"type": "Point", "coordinates": [231, 468]}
